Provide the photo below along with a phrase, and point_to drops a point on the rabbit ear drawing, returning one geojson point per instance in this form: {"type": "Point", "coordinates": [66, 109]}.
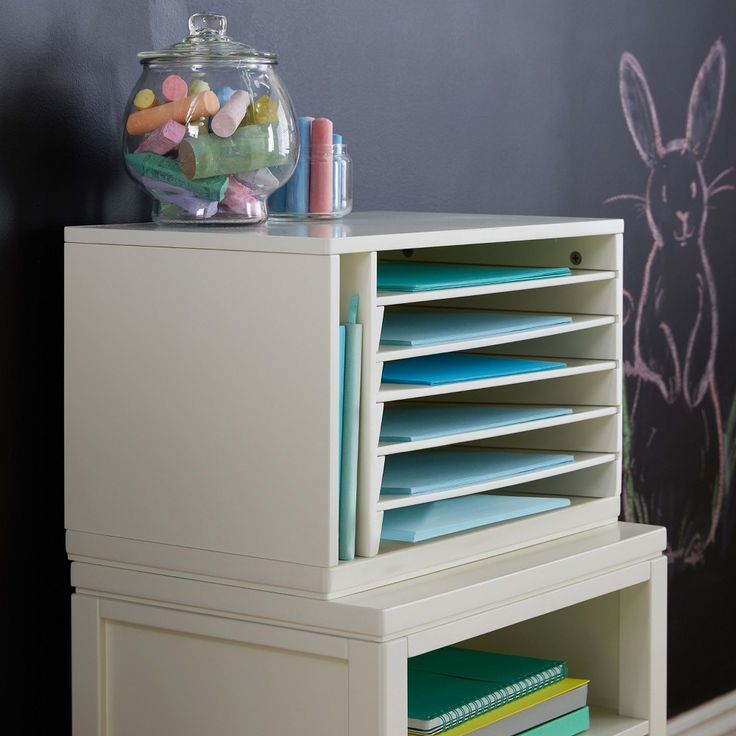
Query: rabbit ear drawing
{"type": "Point", "coordinates": [704, 109]}
{"type": "Point", "coordinates": [639, 111]}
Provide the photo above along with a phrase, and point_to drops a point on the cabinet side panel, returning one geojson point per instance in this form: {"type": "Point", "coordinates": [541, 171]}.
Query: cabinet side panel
{"type": "Point", "coordinates": [201, 399]}
{"type": "Point", "coordinates": [162, 682]}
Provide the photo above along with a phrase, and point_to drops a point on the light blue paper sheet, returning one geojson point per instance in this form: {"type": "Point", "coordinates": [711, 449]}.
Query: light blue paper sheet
{"type": "Point", "coordinates": [410, 423]}
{"type": "Point", "coordinates": [434, 370]}
{"type": "Point", "coordinates": [412, 327]}
{"type": "Point", "coordinates": [437, 518]}
{"type": "Point", "coordinates": [438, 470]}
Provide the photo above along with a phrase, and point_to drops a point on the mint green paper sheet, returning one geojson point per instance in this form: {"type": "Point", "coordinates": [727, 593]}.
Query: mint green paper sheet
{"type": "Point", "coordinates": [350, 436]}
{"type": "Point", "coordinates": [415, 327]}
{"type": "Point", "coordinates": [567, 725]}
{"type": "Point", "coordinates": [420, 276]}
{"type": "Point", "coordinates": [411, 423]}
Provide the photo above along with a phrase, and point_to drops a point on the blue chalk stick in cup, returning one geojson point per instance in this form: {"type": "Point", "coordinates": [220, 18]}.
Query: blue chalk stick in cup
{"type": "Point", "coordinates": [277, 200]}
{"type": "Point", "coordinates": [337, 175]}
{"type": "Point", "coordinates": [297, 188]}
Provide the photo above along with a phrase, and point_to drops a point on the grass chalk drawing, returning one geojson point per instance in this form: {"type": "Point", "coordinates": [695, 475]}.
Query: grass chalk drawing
{"type": "Point", "coordinates": [676, 465]}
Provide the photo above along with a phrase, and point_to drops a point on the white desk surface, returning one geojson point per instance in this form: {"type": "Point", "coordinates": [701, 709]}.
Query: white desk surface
{"type": "Point", "coordinates": [356, 233]}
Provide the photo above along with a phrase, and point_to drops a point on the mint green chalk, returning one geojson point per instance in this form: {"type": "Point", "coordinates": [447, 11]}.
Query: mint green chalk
{"type": "Point", "coordinates": [167, 170]}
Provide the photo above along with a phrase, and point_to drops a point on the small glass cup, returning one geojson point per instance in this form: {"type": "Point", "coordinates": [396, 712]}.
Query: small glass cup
{"type": "Point", "coordinates": [296, 199]}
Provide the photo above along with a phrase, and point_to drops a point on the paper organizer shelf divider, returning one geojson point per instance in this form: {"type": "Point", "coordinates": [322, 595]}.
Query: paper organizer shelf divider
{"type": "Point", "coordinates": [201, 390]}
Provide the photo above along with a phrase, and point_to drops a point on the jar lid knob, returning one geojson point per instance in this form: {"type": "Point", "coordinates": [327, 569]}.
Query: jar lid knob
{"type": "Point", "coordinates": [207, 24]}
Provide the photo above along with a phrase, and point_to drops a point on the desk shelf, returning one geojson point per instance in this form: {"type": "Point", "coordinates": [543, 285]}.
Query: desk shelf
{"type": "Point", "coordinates": [201, 391]}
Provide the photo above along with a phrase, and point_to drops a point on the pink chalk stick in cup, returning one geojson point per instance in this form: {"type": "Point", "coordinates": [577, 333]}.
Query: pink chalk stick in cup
{"type": "Point", "coordinates": [320, 167]}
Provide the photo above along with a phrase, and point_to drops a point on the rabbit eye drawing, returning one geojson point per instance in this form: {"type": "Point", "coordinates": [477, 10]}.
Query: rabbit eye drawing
{"type": "Point", "coordinates": [675, 470]}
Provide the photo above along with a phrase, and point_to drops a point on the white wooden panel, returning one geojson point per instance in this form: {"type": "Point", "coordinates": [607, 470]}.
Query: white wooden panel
{"type": "Point", "coordinates": [598, 252]}
{"type": "Point", "coordinates": [88, 661]}
{"type": "Point", "coordinates": [600, 481]}
{"type": "Point", "coordinates": [163, 682]}
{"type": "Point", "coordinates": [189, 419]}
{"type": "Point", "coordinates": [596, 388]}
{"type": "Point", "coordinates": [643, 650]}
{"type": "Point", "coordinates": [597, 297]}
{"type": "Point", "coordinates": [605, 722]}
{"type": "Point", "coordinates": [598, 343]}
{"type": "Point", "coordinates": [596, 435]}
{"type": "Point", "coordinates": [586, 636]}
{"type": "Point", "coordinates": [378, 688]}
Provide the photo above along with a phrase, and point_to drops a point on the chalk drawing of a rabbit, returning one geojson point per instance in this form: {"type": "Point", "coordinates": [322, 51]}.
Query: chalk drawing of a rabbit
{"type": "Point", "coordinates": [676, 465]}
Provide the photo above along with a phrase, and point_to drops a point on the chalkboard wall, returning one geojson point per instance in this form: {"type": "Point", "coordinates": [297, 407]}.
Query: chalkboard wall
{"type": "Point", "coordinates": [515, 106]}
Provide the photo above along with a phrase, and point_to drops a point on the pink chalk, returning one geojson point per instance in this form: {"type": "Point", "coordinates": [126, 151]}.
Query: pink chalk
{"type": "Point", "coordinates": [163, 139]}
{"type": "Point", "coordinates": [231, 114]}
{"type": "Point", "coordinates": [174, 88]}
{"type": "Point", "coordinates": [240, 198]}
{"type": "Point", "coordinates": [320, 166]}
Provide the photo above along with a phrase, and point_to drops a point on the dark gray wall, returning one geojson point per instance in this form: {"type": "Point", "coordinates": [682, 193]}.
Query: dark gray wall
{"type": "Point", "coordinates": [478, 106]}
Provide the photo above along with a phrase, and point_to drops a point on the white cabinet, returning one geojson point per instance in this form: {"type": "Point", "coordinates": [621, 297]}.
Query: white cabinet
{"type": "Point", "coordinates": [156, 654]}
{"type": "Point", "coordinates": [201, 444]}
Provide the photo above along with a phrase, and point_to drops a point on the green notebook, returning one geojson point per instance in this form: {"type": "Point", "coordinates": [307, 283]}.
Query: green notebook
{"type": "Point", "coordinates": [451, 685]}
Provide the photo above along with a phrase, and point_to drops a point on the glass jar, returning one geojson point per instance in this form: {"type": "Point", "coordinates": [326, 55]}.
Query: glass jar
{"type": "Point", "coordinates": [296, 200]}
{"type": "Point", "coordinates": [210, 130]}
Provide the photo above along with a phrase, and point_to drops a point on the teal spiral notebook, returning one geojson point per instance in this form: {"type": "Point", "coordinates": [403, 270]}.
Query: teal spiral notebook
{"type": "Point", "coordinates": [436, 370]}
{"type": "Point", "coordinates": [438, 470]}
{"type": "Point", "coordinates": [411, 423]}
{"type": "Point", "coordinates": [451, 685]}
{"type": "Point", "coordinates": [438, 518]}
{"type": "Point", "coordinates": [414, 327]}
{"type": "Point", "coordinates": [421, 276]}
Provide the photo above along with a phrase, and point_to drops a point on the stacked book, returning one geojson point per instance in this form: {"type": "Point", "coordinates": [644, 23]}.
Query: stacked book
{"type": "Point", "coordinates": [456, 691]}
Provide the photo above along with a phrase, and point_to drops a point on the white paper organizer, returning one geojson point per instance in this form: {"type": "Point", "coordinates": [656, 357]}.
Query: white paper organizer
{"type": "Point", "coordinates": [201, 391]}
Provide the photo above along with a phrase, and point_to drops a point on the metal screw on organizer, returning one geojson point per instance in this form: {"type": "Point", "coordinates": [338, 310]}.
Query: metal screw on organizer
{"type": "Point", "coordinates": [575, 258]}
{"type": "Point", "coordinates": [408, 252]}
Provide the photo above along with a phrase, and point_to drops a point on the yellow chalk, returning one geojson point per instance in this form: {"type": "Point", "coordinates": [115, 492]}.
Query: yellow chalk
{"type": "Point", "coordinates": [263, 111]}
{"type": "Point", "coordinates": [144, 99]}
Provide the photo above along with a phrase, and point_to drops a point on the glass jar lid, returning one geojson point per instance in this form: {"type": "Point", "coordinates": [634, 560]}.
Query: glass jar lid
{"type": "Point", "coordinates": [208, 41]}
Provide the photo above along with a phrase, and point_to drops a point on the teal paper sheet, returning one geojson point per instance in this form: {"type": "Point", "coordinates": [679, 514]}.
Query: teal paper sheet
{"type": "Point", "coordinates": [435, 370]}
{"type": "Point", "coordinates": [425, 471]}
{"type": "Point", "coordinates": [420, 276]}
{"type": "Point", "coordinates": [437, 518]}
{"type": "Point", "coordinates": [411, 423]}
{"type": "Point", "coordinates": [567, 725]}
{"type": "Point", "coordinates": [350, 437]}
{"type": "Point", "coordinates": [414, 327]}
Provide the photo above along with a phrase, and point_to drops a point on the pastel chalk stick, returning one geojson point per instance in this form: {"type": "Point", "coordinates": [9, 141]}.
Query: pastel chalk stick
{"type": "Point", "coordinates": [231, 114]}
{"type": "Point", "coordinates": [224, 94]}
{"type": "Point", "coordinates": [297, 188]}
{"type": "Point", "coordinates": [167, 170]}
{"type": "Point", "coordinates": [262, 111]}
{"type": "Point", "coordinates": [144, 99]}
{"type": "Point", "coordinates": [238, 197]}
{"type": "Point", "coordinates": [163, 139]}
{"type": "Point", "coordinates": [181, 197]}
{"type": "Point", "coordinates": [174, 88]}
{"type": "Point", "coordinates": [320, 167]}
{"type": "Point", "coordinates": [260, 180]}
{"type": "Point", "coordinates": [277, 201]}
{"type": "Point", "coordinates": [172, 211]}
{"type": "Point", "coordinates": [248, 149]}
{"type": "Point", "coordinates": [197, 86]}
{"type": "Point", "coordinates": [336, 174]}
{"type": "Point", "coordinates": [183, 110]}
